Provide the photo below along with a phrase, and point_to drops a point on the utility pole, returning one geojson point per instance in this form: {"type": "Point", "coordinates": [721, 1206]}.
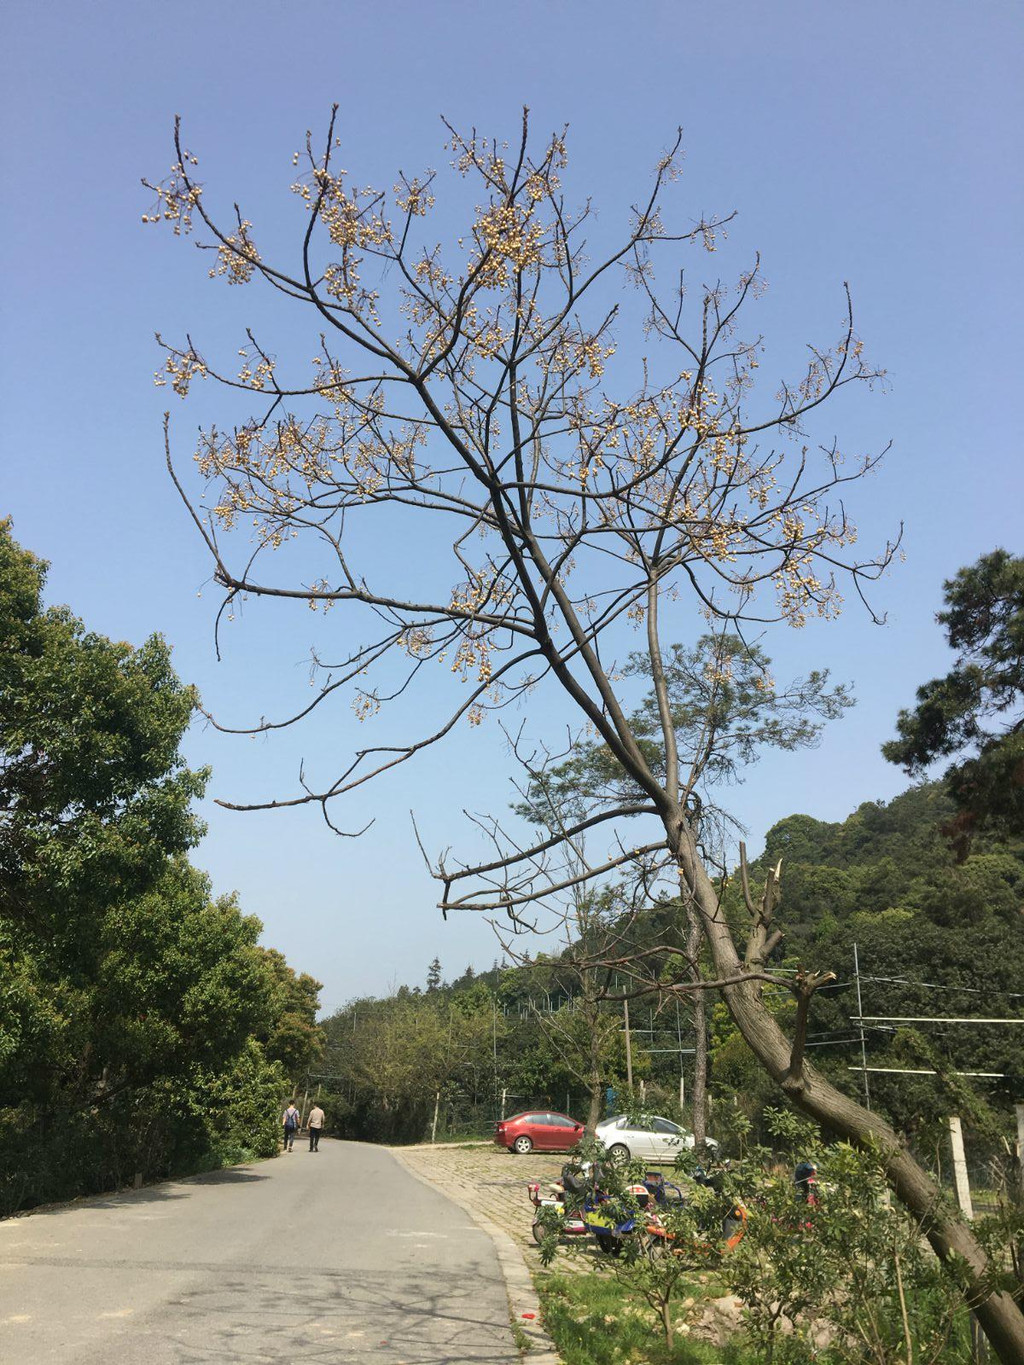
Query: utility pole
{"type": "Point", "coordinates": [629, 1050]}
{"type": "Point", "coordinates": [679, 1042]}
{"type": "Point", "coordinates": [860, 1013]}
{"type": "Point", "coordinates": [494, 1038]}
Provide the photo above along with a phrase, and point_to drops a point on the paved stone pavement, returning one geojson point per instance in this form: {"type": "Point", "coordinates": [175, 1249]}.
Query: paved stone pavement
{"type": "Point", "coordinates": [494, 1181]}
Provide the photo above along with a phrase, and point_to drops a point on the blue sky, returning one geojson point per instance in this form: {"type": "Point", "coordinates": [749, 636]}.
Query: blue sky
{"type": "Point", "coordinates": [873, 143]}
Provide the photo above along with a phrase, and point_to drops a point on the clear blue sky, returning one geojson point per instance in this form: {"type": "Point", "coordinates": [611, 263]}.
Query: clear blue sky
{"type": "Point", "coordinates": [877, 143]}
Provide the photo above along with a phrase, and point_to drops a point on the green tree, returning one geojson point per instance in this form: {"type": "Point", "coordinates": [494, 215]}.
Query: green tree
{"type": "Point", "coordinates": [127, 991]}
{"type": "Point", "coordinates": [294, 1038]}
{"type": "Point", "coordinates": [976, 712]}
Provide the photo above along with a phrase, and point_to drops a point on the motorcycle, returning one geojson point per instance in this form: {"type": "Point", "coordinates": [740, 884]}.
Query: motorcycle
{"type": "Point", "coordinates": [562, 1221]}
{"type": "Point", "coordinates": [576, 1205]}
{"type": "Point", "coordinates": [612, 1220]}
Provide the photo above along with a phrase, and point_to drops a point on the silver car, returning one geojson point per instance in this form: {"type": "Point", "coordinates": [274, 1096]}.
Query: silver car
{"type": "Point", "coordinates": [647, 1138]}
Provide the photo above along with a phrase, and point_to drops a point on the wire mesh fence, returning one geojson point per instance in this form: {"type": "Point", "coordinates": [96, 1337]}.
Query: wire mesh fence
{"type": "Point", "coordinates": [460, 1118]}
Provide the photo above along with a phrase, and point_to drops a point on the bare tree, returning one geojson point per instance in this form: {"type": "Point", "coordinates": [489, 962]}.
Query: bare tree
{"type": "Point", "coordinates": [474, 391]}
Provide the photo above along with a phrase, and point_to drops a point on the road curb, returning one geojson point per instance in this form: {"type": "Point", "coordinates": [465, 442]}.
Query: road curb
{"type": "Point", "coordinates": [523, 1303]}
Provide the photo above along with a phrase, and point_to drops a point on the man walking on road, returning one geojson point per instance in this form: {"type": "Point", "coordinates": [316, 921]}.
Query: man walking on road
{"type": "Point", "coordinates": [316, 1123]}
{"type": "Point", "coordinates": [290, 1120]}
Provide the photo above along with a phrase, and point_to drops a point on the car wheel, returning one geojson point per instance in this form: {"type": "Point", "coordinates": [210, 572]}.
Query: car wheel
{"type": "Point", "coordinates": [618, 1152]}
{"type": "Point", "coordinates": [522, 1145]}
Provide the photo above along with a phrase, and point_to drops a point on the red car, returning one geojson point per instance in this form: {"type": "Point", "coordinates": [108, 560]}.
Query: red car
{"type": "Point", "coordinates": [539, 1128]}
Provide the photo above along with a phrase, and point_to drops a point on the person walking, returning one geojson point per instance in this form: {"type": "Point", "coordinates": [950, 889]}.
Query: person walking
{"type": "Point", "coordinates": [290, 1121]}
{"type": "Point", "coordinates": [316, 1123]}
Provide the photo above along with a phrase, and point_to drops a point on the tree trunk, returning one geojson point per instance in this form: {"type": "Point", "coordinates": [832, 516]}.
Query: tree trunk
{"type": "Point", "coordinates": [1001, 1318]}
{"type": "Point", "coordinates": [699, 1094]}
{"type": "Point", "coordinates": [700, 1072]}
{"type": "Point", "coordinates": [595, 1084]}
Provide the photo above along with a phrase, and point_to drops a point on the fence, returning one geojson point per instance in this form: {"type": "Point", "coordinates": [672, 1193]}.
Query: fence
{"type": "Point", "coordinates": [984, 1174]}
{"type": "Point", "coordinates": [458, 1117]}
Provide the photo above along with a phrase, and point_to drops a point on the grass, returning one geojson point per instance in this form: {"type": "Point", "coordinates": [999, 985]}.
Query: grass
{"type": "Point", "coordinates": [592, 1322]}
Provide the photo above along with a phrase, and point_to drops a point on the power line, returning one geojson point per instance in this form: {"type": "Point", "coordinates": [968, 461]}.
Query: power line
{"type": "Point", "coordinates": [913, 1071]}
{"type": "Point", "coordinates": [909, 981]}
{"type": "Point", "coordinates": [925, 1019]}
{"type": "Point", "coordinates": [935, 986]}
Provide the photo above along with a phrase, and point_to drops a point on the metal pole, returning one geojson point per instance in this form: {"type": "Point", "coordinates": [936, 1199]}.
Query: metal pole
{"type": "Point", "coordinates": [494, 1037]}
{"type": "Point", "coordinates": [860, 1012]}
{"type": "Point", "coordinates": [629, 1050]}
{"type": "Point", "coordinates": [679, 1040]}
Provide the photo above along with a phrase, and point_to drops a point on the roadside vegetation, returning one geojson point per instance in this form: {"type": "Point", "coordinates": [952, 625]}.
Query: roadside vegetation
{"type": "Point", "coordinates": [144, 1031]}
{"type": "Point", "coordinates": [845, 1278]}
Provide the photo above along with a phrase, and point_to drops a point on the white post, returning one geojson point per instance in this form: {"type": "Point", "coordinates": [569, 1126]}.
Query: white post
{"type": "Point", "coordinates": [433, 1126]}
{"type": "Point", "coordinates": [1020, 1143]}
{"type": "Point", "coordinates": [963, 1184]}
{"type": "Point", "coordinates": [504, 1094]}
{"type": "Point", "coordinates": [963, 1198]}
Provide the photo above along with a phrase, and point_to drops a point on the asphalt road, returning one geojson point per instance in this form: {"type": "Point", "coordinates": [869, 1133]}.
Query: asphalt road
{"type": "Point", "coordinates": [335, 1257]}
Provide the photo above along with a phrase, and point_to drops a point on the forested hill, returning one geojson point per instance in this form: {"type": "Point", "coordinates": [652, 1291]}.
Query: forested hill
{"type": "Point", "coordinates": [935, 937]}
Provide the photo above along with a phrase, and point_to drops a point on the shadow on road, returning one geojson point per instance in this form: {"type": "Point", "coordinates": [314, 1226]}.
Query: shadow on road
{"type": "Point", "coordinates": [149, 1194]}
{"type": "Point", "coordinates": [338, 1317]}
{"type": "Point", "coordinates": [234, 1175]}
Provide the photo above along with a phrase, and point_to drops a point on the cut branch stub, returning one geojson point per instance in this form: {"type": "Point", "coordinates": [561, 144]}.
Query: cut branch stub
{"type": "Point", "coordinates": [763, 937]}
{"type": "Point", "coordinates": [803, 987]}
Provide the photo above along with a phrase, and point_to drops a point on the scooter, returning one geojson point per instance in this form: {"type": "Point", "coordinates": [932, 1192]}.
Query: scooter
{"type": "Point", "coordinates": [612, 1222]}
{"type": "Point", "coordinates": [566, 1223]}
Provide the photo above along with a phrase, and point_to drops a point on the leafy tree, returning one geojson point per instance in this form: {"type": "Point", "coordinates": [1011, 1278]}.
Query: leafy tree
{"type": "Point", "coordinates": [434, 975]}
{"type": "Point", "coordinates": [559, 491]}
{"type": "Point", "coordinates": [586, 1033]}
{"type": "Point", "coordinates": [130, 997]}
{"type": "Point", "coordinates": [94, 795]}
{"type": "Point", "coordinates": [295, 1040]}
{"type": "Point", "coordinates": [852, 1278]}
{"type": "Point", "coordinates": [976, 712]}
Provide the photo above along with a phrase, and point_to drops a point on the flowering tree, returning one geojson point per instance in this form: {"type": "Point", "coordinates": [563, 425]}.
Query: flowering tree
{"type": "Point", "coordinates": [472, 389]}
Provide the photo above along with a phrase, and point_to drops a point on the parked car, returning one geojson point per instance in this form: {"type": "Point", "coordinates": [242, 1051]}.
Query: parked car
{"type": "Point", "coordinates": [539, 1128]}
{"type": "Point", "coordinates": [648, 1138]}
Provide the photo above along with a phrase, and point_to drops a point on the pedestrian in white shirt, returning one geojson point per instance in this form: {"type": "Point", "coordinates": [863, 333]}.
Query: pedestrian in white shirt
{"type": "Point", "coordinates": [316, 1123]}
